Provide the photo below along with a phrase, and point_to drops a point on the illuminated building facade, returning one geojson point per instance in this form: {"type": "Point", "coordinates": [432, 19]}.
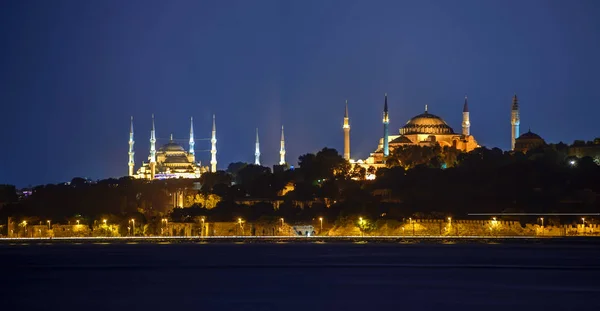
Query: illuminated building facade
{"type": "Point", "coordinates": [171, 160]}
{"type": "Point", "coordinates": [425, 129]}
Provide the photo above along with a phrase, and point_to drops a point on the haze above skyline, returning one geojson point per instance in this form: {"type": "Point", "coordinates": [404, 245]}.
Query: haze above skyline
{"type": "Point", "coordinates": [73, 72]}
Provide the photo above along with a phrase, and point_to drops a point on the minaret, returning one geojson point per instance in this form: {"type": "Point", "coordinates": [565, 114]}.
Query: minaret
{"type": "Point", "coordinates": [386, 135]}
{"type": "Point", "coordinates": [346, 128]}
{"type": "Point", "coordinates": [257, 150]}
{"type": "Point", "coordinates": [192, 143]}
{"type": "Point", "coordinates": [282, 149]}
{"type": "Point", "coordinates": [466, 123]}
{"type": "Point", "coordinates": [213, 147]}
{"type": "Point", "coordinates": [152, 150]}
{"type": "Point", "coordinates": [131, 153]}
{"type": "Point", "coordinates": [515, 121]}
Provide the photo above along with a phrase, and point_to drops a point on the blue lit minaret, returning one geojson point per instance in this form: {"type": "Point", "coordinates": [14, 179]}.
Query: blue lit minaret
{"type": "Point", "coordinates": [386, 135]}
{"type": "Point", "coordinates": [192, 143]}
{"type": "Point", "coordinates": [213, 147]}
{"type": "Point", "coordinates": [257, 150]}
{"type": "Point", "coordinates": [282, 149]}
{"type": "Point", "coordinates": [152, 157]}
{"type": "Point", "coordinates": [131, 153]}
{"type": "Point", "coordinates": [515, 121]}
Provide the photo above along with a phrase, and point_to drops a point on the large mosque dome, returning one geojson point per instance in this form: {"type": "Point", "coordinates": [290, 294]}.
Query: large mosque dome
{"type": "Point", "coordinates": [426, 123]}
{"type": "Point", "coordinates": [172, 146]}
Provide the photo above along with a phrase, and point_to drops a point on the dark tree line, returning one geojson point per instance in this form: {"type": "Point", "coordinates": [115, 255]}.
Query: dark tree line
{"type": "Point", "coordinates": [418, 181]}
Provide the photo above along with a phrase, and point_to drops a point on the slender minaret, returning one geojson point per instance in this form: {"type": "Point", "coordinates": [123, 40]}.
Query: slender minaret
{"type": "Point", "coordinates": [282, 149]}
{"type": "Point", "coordinates": [386, 135]}
{"type": "Point", "coordinates": [515, 121]}
{"type": "Point", "coordinates": [152, 157]}
{"type": "Point", "coordinates": [466, 123]}
{"type": "Point", "coordinates": [131, 153]}
{"type": "Point", "coordinates": [346, 128]}
{"type": "Point", "coordinates": [192, 142]}
{"type": "Point", "coordinates": [213, 147]}
{"type": "Point", "coordinates": [257, 150]}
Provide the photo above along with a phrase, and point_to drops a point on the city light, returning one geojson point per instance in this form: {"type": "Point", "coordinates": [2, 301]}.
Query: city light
{"type": "Point", "coordinates": [321, 220]}
{"type": "Point", "coordinates": [104, 221]}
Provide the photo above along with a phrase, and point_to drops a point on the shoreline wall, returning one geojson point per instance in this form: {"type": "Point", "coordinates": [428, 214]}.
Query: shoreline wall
{"type": "Point", "coordinates": [416, 227]}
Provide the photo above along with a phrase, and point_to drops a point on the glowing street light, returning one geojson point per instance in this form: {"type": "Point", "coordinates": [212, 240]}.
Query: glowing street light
{"type": "Point", "coordinates": [450, 219]}
{"type": "Point", "coordinates": [48, 221]}
{"type": "Point", "coordinates": [133, 226]}
{"type": "Point", "coordinates": [321, 220]}
{"type": "Point", "coordinates": [78, 222]}
{"type": "Point", "coordinates": [542, 220]}
{"type": "Point", "coordinates": [104, 221]}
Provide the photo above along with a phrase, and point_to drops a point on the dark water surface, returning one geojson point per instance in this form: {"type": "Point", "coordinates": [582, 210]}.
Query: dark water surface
{"type": "Point", "coordinates": [502, 275]}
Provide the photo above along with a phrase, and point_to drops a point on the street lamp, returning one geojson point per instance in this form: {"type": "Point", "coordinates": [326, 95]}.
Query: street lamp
{"type": "Point", "coordinates": [240, 222]}
{"type": "Point", "coordinates": [450, 219]}
{"type": "Point", "coordinates": [133, 226]}
{"type": "Point", "coordinates": [78, 222]}
{"type": "Point", "coordinates": [321, 220]}
{"type": "Point", "coordinates": [202, 231]}
{"type": "Point", "coordinates": [48, 221]}
{"type": "Point", "coordinates": [542, 219]}
{"type": "Point", "coordinates": [104, 221]}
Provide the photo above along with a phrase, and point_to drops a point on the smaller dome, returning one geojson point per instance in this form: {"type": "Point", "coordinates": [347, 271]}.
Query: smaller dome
{"type": "Point", "coordinates": [401, 140]}
{"type": "Point", "coordinates": [530, 135]}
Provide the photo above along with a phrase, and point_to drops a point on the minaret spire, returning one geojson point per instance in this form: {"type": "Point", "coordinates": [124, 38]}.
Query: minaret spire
{"type": "Point", "coordinates": [131, 152]}
{"type": "Point", "coordinates": [466, 123]}
{"type": "Point", "coordinates": [282, 149]}
{"type": "Point", "coordinates": [152, 157]}
{"type": "Point", "coordinates": [257, 150]}
{"type": "Point", "coordinates": [515, 121]}
{"type": "Point", "coordinates": [192, 142]}
{"type": "Point", "coordinates": [213, 147]}
{"type": "Point", "coordinates": [386, 135]}
{"type": "Point", "coordinates": [346, 128]}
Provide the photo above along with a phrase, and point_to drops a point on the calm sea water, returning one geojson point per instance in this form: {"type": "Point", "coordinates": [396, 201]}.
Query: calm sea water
{"type": "Point", "coordinates": [484, 275]}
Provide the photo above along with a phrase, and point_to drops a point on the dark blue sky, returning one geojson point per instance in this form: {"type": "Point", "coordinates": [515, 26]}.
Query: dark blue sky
{"type": "Point", "coordinates": [72, 72]}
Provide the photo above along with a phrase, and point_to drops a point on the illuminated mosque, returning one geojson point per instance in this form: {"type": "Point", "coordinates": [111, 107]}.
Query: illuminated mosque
{"type": "Point", "coordinates": [425, 129]}
{"type": "Point", "coordinates": [172, 160]}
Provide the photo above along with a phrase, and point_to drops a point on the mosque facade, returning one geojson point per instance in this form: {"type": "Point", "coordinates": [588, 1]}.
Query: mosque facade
{"type": "Point", "coordinates": [425, 129]}
{"type": "Point", "coordinates": [171, 160]}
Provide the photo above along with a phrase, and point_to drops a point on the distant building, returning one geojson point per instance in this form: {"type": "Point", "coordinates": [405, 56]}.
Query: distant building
{"type": "Point", "coordinates": [528, 141]}
{"type": "Point", "coordinates": [582, 149]}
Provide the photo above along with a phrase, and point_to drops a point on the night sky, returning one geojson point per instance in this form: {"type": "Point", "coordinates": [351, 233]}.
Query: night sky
{"type": "Point", "coordinates": [73, 72]}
